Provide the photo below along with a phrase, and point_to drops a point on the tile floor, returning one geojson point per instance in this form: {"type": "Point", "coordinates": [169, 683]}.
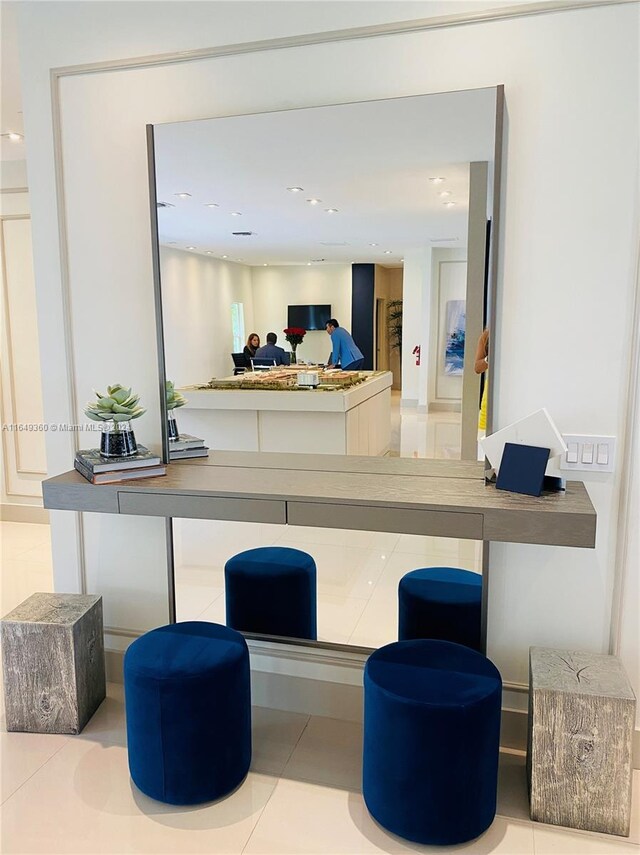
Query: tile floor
{"type": "Point", "coordinates": [73, 794]}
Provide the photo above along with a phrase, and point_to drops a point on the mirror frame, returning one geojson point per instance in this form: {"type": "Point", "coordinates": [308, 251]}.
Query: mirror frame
{"type": "Point", "coordinates": [491, 314]}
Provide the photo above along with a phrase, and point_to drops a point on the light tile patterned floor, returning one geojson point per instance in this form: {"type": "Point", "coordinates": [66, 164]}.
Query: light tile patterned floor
{"type": "Point", "coordinates": [73, 794]}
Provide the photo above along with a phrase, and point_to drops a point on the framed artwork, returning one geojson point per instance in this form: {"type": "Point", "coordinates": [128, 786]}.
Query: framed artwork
{"type": "Point", "coordinates": [454, 342]}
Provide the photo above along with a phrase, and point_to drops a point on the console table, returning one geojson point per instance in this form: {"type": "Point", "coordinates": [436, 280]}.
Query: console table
{"type": "Point", "coordinates": [402, 495]}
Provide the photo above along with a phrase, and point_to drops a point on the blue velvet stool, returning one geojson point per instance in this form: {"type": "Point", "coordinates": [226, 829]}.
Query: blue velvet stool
{"type": "Point", "coordinates": [272, 590]}
{"type": "Point", "coordinates": [188, 709]}
{"type": "Point", "coordinates": [440, 602]}
{"type": "Point", "coordinates": [431, 740]}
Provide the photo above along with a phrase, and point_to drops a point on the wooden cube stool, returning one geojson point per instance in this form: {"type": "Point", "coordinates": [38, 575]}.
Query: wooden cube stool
{"type": "Point", "coordinates": [53, 662]}
{"type": "Point", "coordinates": [581, 720]}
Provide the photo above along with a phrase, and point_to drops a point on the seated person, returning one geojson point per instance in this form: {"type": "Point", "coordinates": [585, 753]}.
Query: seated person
{"type": "Point", "coordinates": [345, 350]}
{"type": "Point", "coordinates": [250, 348]}
{"type": "Point", "coordinates": [270, 351]}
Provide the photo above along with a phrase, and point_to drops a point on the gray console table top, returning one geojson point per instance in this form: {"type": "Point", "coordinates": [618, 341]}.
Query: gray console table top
{"type": "Point", "coordinates": [376, 494]}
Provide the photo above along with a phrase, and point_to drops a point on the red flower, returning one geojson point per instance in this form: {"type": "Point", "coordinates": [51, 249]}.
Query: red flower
{"type": "Point", "coordinates": [298, 331]}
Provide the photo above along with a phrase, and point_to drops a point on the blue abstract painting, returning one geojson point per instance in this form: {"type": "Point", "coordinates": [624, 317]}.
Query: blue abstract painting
{"type": "Point", "coordinates": [455, 326]}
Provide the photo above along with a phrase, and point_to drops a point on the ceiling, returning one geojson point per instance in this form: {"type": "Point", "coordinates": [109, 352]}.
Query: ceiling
{"type": "Point", "coordinates": [371, 161]}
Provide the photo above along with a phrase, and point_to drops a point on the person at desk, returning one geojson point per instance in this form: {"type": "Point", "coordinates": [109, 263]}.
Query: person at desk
{"type": "Point", "coordinates": [251, 347]}
{"type": "Point", "coordinates": [271, 351]}
{"type": "Point", "coordinates": [344, 349]}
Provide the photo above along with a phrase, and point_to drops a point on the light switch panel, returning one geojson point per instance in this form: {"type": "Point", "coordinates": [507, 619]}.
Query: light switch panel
{"type": "Point", "coordinates": [586, 453]}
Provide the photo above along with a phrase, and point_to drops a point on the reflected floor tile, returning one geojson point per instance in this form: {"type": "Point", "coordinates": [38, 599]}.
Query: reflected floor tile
{"type": "Point", "coordinates": [344, 571]}
{"type": "Point", "coordinates": [212, 542]}
{"type": "Point", "coordinates": [17, 538]}
{"type": "Point", "coordinates": [329, 752]}
{"type": "Point", "coordinates": [379, 622]}
{"type": "Point", "coordinates": [309, 818]}
{"type": "Point", "coordinates": [275, 735]}
{"type": "Point", "coordinates": [337, 617]}
{"type": "Point", "coordinates": [86, 803]}
{"type": "Point", "coordinates": [196, 589]}
{"type": "Point", "coordinates": [216, 612]}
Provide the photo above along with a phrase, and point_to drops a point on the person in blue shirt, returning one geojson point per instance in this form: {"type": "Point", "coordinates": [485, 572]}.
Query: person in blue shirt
{"type": "Point", "coordinates": [344, 349]}
{"type": "Point", "coordinates": [270, 351]}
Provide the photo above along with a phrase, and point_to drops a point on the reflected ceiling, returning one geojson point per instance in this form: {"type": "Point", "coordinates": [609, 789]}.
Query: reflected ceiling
{"type": "Point", "coordinates": [371, 161]}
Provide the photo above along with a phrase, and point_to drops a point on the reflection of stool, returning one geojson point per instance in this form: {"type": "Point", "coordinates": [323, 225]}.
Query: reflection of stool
{"type": "Point", "coordinates": [272, 590]}
{"type": "Point", "coordinates": [431, 740]}
{"type": "Point", "coordinates": [188, 709]}
{"type": "Point", "coordinates": [440, 602]}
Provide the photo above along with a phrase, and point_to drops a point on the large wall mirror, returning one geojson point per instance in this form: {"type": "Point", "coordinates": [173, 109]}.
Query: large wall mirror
{"type": "Point", "coordinates": [380, 215]}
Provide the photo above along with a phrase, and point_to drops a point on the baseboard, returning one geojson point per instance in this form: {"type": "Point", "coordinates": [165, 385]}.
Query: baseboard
{"type": "Point", "coordinates": [23, 513]}
{"type": "Point", "coordinates": [444, 407]}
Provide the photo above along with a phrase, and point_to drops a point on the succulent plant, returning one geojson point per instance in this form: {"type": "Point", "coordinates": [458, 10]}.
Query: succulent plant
{"type": "Point", "coordinates": [174, 399]}
{"type": "Point", "coordinates": [118, 405]}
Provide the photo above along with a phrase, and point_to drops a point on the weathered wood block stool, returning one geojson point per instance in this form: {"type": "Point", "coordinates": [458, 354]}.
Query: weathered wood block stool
{"type": "Point", "coordinates": [581, 719]}
{"type": "Point", "coordinates": [53, 663]}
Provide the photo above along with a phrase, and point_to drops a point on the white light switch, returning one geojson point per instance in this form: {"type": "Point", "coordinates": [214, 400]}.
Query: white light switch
{"type": "Point", "coordinates": [572, 452]}
{"type": "Point", "coordinates": [587, 453]}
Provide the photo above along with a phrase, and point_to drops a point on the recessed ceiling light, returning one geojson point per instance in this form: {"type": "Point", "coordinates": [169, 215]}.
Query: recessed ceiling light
{"type": "Point", "coordinates": [265, 264]}
{"type": "Point", "coordinates": [236, 213]}
{"type": "Point", "coordinates": [437, 180]}
{"type": "Point", "coordinates": [239, 259]}
{"type": "Point", "coordinates": [314, 201]}
{"type": "Point", "coordinates": [172, 243]}
{"type": "Point", "coordinates": [308, 264]}
{"type": "Point", "coordinates": [444, 193]}
{"type": "Point", "coordinates": [449, 204]}
{"type": "Point", "coordinates": [225, 256]}
{"type": "Point", "coordinates": [13, 136]}
{"type": "Point", "coordinates": [211, 205]}
{"type": "Point", "coordinates": [182, 195]}
{"type": "Point", "coordinates": [373, 244]}
{"type": "Point", "coordinates": [331, 210]}
{"type": "Point", "coordinates": [388, 252]}
{"type": "Point", "coordinates": [295, 189]}
{"type": "Point", "coordinates": [209, 252]}
{"type": "Point", "coordinates": [191, 247]}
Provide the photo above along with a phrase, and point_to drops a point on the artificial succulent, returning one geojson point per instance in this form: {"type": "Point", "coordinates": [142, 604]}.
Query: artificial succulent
{"type": "Point", "coordinates": [174, 399]}
{"type": "Point", "coordinates": [118, 405]}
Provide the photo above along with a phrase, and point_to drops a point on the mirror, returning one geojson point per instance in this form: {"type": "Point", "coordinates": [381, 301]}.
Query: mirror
{"type": "Point", "coordinates": [377, 214]}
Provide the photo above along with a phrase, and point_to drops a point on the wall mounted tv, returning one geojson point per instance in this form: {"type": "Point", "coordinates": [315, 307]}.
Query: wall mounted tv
{"type": "Point", "coordinates": [308, 317]}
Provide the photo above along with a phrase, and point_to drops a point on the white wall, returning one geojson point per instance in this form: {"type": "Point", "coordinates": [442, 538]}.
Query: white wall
{"type": "Point", "coordinates": [416, 319]}
{"type": "Point", "coordinates": [563, 233]}
{"type": "Point", "coordinates": [22, 444]}
{"type": "Point", "coordinates": [197, 293]}
{"type": "Point", "coordinates": [449, 275]}
{"type": "Point", "coordinates": [275, 288]}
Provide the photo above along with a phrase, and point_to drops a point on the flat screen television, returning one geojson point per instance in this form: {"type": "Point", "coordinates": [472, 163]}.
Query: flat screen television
{"type": "Point", "coordinates": [308, 317]}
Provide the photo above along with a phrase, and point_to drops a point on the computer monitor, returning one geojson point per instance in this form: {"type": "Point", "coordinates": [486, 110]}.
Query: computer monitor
{"type": "Point", "coordinates": [262, 363]}
{"type": "Point", "coordinates": [239, 360]}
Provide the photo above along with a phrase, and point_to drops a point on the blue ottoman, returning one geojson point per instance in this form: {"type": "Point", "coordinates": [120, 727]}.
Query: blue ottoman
{"type": "Point", "coordinates": [188, 709]}
{"type": "Point", "coordinates": [431, 740]}
{"type": "Point", "coordinates": [272, 590]}
{"type": "Point", "coordinates": [440, 602]}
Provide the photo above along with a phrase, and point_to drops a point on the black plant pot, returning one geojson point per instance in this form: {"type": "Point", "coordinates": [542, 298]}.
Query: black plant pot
{"type": "Point", "coordinates": [172, 428]}
{"type": "Point", "coordinates": [119, 441]}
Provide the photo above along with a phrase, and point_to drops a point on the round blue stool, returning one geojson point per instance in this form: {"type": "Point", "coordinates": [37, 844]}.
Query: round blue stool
{"type": "Point", "coordinates": [431, 740]}
{"type": "Point", "coordinates": [440, 602]}
{"type": "Point", "coordinates": [188, 710]}
{"type": "Point", "coordinates": [272, 590]}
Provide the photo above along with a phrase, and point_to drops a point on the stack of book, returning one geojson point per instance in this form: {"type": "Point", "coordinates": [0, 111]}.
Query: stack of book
{"type": "Point", "coordinates": [107, 470]}
{"type": "Point", "coordinates": [186, 446]}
